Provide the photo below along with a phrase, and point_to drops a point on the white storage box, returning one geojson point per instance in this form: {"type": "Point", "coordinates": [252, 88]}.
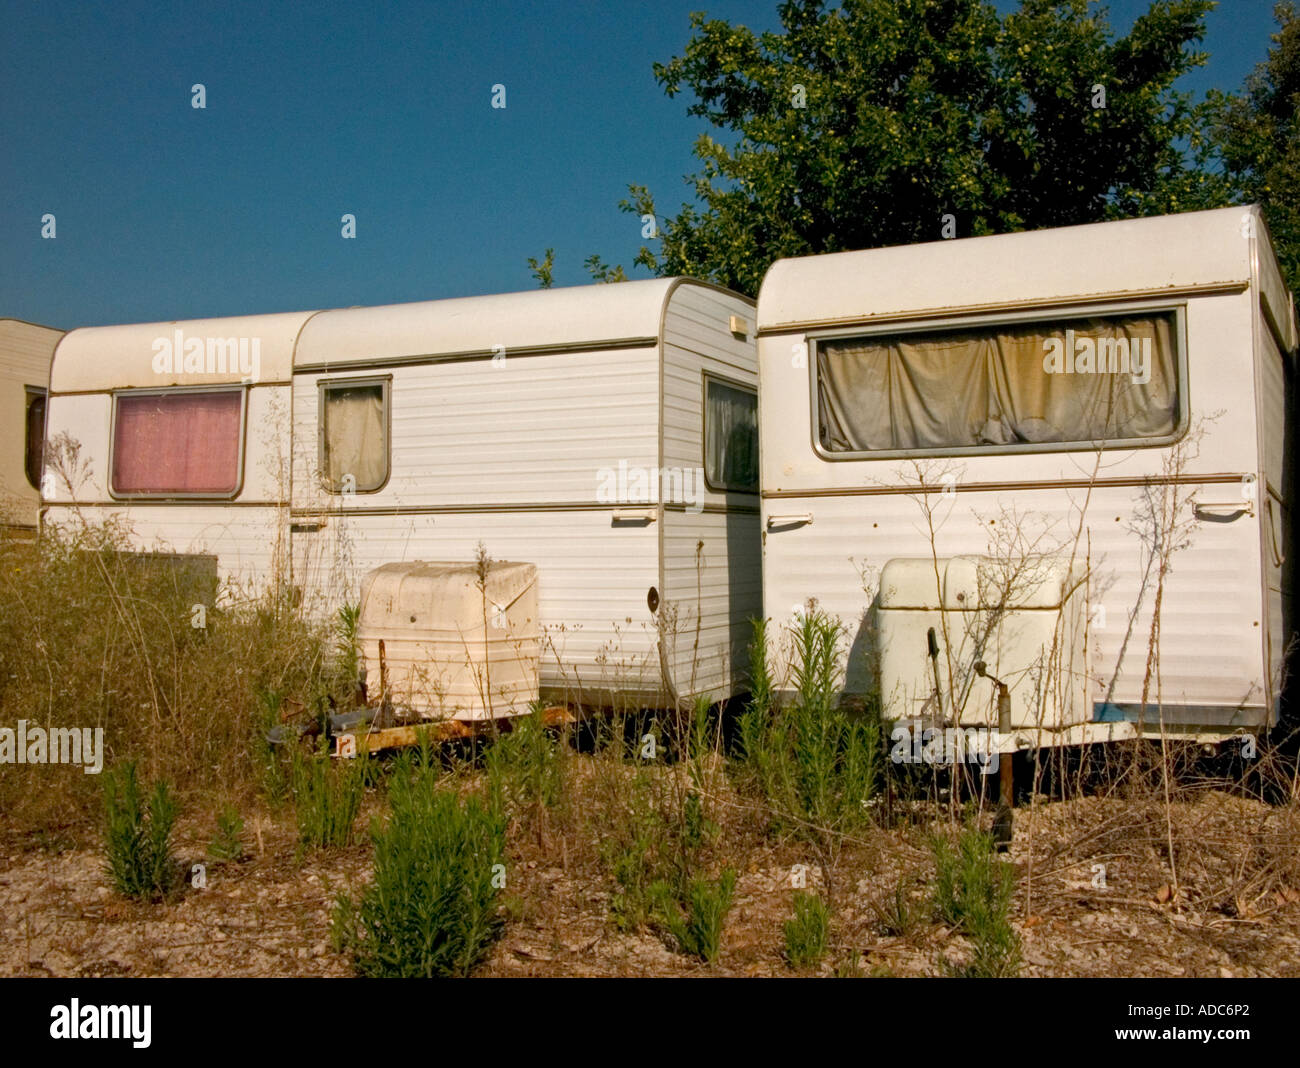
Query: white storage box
{"type": "Point", "coordinates": [453, 649]}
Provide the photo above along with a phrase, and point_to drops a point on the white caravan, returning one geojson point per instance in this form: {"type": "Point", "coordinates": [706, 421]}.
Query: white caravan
{"type": "Point", "coordinates": [25, 352]}
{"type": "Point", "coordinates": [1009, 449]}
{"type": "Point", "coordinates": [606, 434]}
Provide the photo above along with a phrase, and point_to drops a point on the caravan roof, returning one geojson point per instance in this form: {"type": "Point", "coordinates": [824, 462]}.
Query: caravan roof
{"type": "Point", "coordinates": [1150, 257]}
{"type": "Point", "coordinates": [99, 358]}
{"type": "Point", "coordinates": [571, 317]}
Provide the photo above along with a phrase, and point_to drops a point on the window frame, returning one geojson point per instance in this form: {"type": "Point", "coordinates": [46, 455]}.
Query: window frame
{"type": "Point", "coordinates": [178, 495]}
{"type": "Point", "coordinates": [707, 377]}
{"type": "Point", "coordinates": [1059, 314]}
{"type": "Point", "coordinates": [323, 385]}
{"type": "Point", "coordinates": [31, 393]}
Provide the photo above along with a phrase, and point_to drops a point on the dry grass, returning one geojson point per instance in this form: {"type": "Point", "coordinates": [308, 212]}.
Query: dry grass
{"type": "Point", "coordinates": [93, 635]}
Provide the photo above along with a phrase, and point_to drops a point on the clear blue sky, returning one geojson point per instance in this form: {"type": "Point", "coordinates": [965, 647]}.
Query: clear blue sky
{"type": "Point", "coordinates": [380, 109]}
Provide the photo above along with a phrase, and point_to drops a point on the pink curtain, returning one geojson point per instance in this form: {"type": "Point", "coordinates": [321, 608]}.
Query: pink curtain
{"type": "Point", "coordinates": [177, 443]}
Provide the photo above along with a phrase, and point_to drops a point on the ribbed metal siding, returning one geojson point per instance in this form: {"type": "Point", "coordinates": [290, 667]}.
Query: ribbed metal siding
{"type": "Point", "coordinates": [717, 598]}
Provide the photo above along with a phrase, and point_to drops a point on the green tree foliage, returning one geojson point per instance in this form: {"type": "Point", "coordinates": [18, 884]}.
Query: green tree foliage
{"type": "Point", "coordinates": [543, 269]}
{"type": "Point", "coordinates": [1256, 137]}
{"type": "Point", "coordinates": [603, 272]}
{"type": "Point", "coordinates": [864, 125]}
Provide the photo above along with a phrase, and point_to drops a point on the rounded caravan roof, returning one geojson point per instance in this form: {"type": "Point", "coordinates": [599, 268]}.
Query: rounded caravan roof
{"type": "Point", "coordinates": [101, 358]}
{"type": "Point", "coordinates": [571, 317]}
{"type": "Point", "coordinates": [1133, 257]}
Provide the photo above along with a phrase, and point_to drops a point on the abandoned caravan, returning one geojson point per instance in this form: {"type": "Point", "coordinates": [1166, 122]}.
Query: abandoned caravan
{"type": "Point", "coordinates": [1052, 460]}
{"type": "Point", "coordinates": [600, 442]}
{"type": "Point", "coordinates": [25, 353]}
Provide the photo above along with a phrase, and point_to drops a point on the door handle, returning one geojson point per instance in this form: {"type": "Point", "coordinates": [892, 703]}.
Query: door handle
{"type": "Point", "coordinates": [803, 519]}
{"type": "Point", "coordinates": [1223, 511]}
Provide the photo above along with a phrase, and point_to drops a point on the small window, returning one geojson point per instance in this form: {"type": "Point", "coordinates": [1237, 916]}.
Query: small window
{"type": "Point", "coordinates": [730, 436]}
{"type": "Point", "coordinates": [35, 449]}
{"type": "Point", "coordinates": [1047, 383]}
{"type": "Point", "coordinates": [354, 435]}
{"type": "Point", "coordinates": [182, 443]}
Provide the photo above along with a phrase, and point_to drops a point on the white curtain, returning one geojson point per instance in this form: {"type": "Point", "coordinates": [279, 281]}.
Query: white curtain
{"type": "Point", "coordinates": [991, 387]}
{"type": "Point", "coordinates": [355, 441]}
{"type": "Point", "coordinates": [731, 437]}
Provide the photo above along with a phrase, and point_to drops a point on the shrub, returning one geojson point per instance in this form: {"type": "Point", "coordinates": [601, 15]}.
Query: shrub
{"type": "Point", "coordinates": [347, 648]}
{"type": "Point", "coordinates": [973, 891]}
{"type": "Point", "coordinates": [634, 847]}
{"type": "Point", "coordinates": [694, 918]}
{"type": "Point", "coordinates": [807, 933]}
{"type": "Point", "coordinates": [524, 765]}
{"type": "Point", "coordinates": [753, 725]}
{"type": "Point", "coordinates": [228, 843]}
{"type": "Point", "coordinates": [137, 836]}
{"type": "Point", "coordinates": [431, 907]}
{"type": "Point", "coordinates": [815, 763]}
{"type": "Point", "coordinates": [327, 795]}
{"type": "Point", "coordinates": [272, 762]}
{"type": "Point", "coordinates": [897, 914]}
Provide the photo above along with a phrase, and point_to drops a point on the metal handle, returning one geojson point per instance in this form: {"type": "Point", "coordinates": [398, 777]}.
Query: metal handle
{"type": "Point", "coordinates": [803, 519]}
{"type": "Point", "coordinates": [635, 515]}
{"type": "Point", "coordinates": [1223, 509]}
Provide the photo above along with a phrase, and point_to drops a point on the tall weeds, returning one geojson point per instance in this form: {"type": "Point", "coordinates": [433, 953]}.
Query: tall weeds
{"type": "Point", "coordinates": [431, 909]}
{"type": "Point", "coordinates": [137, 835]}
{"type": "Point", "coordinates": [973, 891]}
{"type": "Point", "coordinates": [816, 765]}
{"type": "Point", "coordinates": [170, 663]}
{"type": "Point", "coordinates": [327, 797]}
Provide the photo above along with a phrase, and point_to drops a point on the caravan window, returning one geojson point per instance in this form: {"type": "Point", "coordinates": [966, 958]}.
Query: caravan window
{"type": "Point", "coordinates": [35, 428]}
{"type": "Point", "coordinates": [730, 436]}
{"type": "Point", "coordinates": [177, 443]}
{"type": "Point", "coordinates": [354, 434]}
{"type": "Point", "coordinates": [1033, 385]}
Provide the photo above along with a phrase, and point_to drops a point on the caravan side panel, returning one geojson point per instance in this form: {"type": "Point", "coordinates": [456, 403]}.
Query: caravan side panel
{"type": "Point", "coordinates": [1275, 519]}
{"type": "Point", "coordinates": [711, 551]}
{"type": "Point", "coordinates": [523, 455]}
{"type": "Point", "coordinates": [248, 535]}
{"type": "Point", "coordinates": [25, 353]}
{"type": "Point", "coordinates": [833, 521]}
{"type": "Point", "coordinates": [253, 355]}
{"type": "Point", "coordinates": [1212, 618]}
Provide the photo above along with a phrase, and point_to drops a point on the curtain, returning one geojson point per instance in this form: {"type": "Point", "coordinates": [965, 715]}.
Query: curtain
{"type": "Point", "coordinates": [355, 440]}
{"type": "Point", "coordinates": [1009, 385]}
{"type": "Point", "coordinates": [35, 450]}
{"type": "Point", "coordinates": [177, 443]}
{"type": "Point", "coordinates": [730, 437]}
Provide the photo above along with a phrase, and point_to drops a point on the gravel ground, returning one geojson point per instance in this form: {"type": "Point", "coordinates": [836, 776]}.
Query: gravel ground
{"type": "Point", "coordinates": [1236, 910]}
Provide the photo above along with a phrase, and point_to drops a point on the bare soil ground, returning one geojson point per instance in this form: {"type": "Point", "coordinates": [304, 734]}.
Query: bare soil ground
{"type": "Point", "coordinates": [1235, 912]}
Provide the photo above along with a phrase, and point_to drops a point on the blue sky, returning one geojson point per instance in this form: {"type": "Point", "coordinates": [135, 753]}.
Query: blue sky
{"type": "Point", "coordinates": [382, 110]}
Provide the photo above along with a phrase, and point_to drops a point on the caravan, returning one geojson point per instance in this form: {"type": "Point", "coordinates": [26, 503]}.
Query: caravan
{"type": "Point", "coordinates": [1055, 462]}
{"type": "Point", "coordinates": [605, 434]}
{"type": "Point", "coordinates": [25, 353]}
{"type": "Point", "coordinates": [1054, 459]}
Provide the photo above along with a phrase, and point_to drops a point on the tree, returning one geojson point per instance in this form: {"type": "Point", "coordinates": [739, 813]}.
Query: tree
{"type": "Point", "coordinates": [544, 269]}
{"type": "Point", "coordinates": [1256, 136]}
{"type": "Point", "coordinates": [603, 272]}
{"type": "Point", "coordinates": [884, 122]}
